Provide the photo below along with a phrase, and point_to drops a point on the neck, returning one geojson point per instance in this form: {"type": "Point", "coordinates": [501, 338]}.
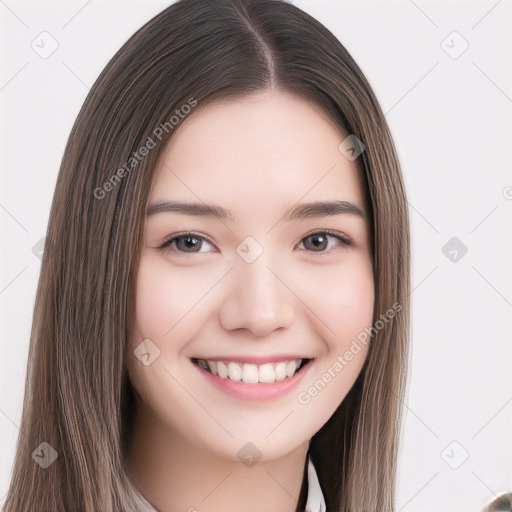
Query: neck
{"type": "Point", "coordinates": [175, 475]}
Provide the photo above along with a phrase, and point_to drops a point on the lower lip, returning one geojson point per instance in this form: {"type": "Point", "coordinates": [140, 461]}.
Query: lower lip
{"type": "Point", "coordinates": [256, 392]}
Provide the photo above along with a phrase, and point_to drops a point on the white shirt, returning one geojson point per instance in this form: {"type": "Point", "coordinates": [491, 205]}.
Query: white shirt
{"type": "Point", "coordinates": [315, 501]}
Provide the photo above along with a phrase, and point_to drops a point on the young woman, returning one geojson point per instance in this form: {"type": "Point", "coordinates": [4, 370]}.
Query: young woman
{"type": "Point", "coordinates": [222, 316]}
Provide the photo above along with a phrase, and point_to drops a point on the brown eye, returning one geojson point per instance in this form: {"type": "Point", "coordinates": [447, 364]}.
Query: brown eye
{"type": "Point", "coordinates": [190, 243]}
{"type": "Point", "coordinates": [185, 243]}
{"type": "Point", "coordinates": [319, 242]}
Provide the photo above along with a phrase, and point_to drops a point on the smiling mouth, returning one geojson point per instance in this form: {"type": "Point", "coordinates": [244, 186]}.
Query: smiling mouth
{"type": "Point", "coordinates": [249, 373]}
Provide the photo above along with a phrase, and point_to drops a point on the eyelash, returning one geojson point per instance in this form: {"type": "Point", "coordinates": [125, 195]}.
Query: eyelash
{"type": "Point", "coordinates": [166, 244]}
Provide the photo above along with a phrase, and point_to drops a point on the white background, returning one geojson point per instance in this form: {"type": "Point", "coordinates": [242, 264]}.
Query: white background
{"type": "Point", "coordinates": [451, 122]}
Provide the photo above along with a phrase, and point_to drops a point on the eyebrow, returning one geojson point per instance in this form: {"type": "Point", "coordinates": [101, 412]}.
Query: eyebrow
{"type": "Point", "coordinates": [301, 211]}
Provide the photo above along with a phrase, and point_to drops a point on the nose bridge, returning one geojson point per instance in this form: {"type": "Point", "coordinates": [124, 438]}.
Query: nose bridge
{"type": "Point", "coordinates": [256, 298]}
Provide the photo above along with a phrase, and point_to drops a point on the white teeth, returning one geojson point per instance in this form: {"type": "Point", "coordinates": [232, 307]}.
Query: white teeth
{"type": "Point", "coordinates": [234, 371]}
{"type": "Point", "coordinates": [280, 371]}
{"type": "Point", "coordinates": [291, 367]}
{"type": "Point", "coordinates": [266, 373]}
{"type": "Point", "coordinates": [222, 369]}
{"type": "Point", "coordinates": [252, 373]}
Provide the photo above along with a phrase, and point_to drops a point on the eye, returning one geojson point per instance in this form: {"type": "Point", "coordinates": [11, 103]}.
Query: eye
{"type": "Point", "coordinates": [190, 242]}
{"type": "Point", "coordinates": [185, 242]}
{"type": "Point", "coordinates": [320, 241]}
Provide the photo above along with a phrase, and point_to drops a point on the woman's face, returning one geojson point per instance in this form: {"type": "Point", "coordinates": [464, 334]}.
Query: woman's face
{"type": "Point", "coordinates": [256, 289]}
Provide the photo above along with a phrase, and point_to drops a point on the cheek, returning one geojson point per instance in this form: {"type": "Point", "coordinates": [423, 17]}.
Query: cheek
{"type": "Point", "coordinates": [161, 301]}
{"type": "Point", "coordinates": [352, 302]}
{"type": "Point", "coordinates": [343, 299]}
{"type": "Point", "coordinates": [345, 308]}
{"type": "Point", "coordinates": [165, 314]}
{"type": "Point", "coordinates": [154, 293]}
{"type": "Point", "coordinates": [165, 298]}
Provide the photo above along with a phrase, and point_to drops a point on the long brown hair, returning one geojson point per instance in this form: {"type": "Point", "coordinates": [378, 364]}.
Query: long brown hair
{"type": "Point", "coordinates": [78, 398]}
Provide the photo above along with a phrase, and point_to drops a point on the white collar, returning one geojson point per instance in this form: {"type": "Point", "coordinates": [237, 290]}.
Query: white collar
{"type": "Point", "coordinates": [315, 501]}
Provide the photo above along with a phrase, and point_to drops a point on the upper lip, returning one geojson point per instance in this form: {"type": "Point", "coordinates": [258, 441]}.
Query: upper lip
{"type": "Point", "coordinates": [254, 359]}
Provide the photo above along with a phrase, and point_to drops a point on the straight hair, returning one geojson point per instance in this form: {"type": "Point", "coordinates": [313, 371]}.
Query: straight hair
{"type": "Point", "coordinates": [78, 397]}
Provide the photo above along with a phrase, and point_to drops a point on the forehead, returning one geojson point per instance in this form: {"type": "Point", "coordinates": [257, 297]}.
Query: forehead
{"type": "Point", "coordinates": [256, 154]}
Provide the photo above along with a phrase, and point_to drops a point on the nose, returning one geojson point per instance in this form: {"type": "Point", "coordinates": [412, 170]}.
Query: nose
{"type": "Point", "coordinates": [257, 298]}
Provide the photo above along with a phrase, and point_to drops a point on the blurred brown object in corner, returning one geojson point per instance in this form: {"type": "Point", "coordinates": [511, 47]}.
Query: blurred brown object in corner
{"type": "Point", "coordinates": [503, 503]}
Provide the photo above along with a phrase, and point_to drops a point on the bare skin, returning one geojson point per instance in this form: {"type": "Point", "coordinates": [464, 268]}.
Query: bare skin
{"type": "Point", "coordinates": [257, 157]}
